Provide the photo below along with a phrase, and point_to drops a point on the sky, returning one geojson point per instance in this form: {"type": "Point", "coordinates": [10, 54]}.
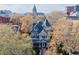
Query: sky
{"type": "Point", "coordinates": [23, 8]}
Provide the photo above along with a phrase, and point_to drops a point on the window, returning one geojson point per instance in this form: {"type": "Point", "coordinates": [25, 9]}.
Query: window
{"type": "Point", "coordinates": [35, 36]}
{"type": "Point", "coordinates": [44, 36]}
{"type": "Point", "coordinates": [36, 44]}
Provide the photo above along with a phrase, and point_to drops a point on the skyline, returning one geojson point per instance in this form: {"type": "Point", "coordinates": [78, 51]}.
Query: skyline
{"type": "Point", "coordinates": [23, 8]}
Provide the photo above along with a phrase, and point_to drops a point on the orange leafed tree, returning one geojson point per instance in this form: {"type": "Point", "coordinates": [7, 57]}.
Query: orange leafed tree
{"type": "Point", "coordinates": [25, 22]}
{"type": "Point", "coordinates": [60, 28]}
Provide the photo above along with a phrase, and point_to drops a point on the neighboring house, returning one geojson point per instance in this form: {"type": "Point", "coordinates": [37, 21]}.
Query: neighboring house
{"type": "Point", "coordinates": [39, 34]}
{"type": "Point", "coordinates": [69, 10]}
{"type": "Point", "coordinates": [5, 16]}
{"type": "Point", "coordinates": [72, 10]}
{"type": "Point", "coordinates": [5, 13]}
{"type": "Point", "coordinates": [4, 19]}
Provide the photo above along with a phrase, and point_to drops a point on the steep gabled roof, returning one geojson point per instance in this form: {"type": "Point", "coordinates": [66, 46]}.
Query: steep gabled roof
{"type": "Point", "coordinates": [38, 27]}
{"type": "Point", "coordinates": [34, 11]}
{"type": "Point", "coordinates": [47, 23]}
{"type": "Point", "coordinates": [41, 25]}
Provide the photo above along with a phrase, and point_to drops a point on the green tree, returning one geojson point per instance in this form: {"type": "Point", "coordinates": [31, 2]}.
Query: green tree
{"type": "Point", "coordinates": [13, 43]}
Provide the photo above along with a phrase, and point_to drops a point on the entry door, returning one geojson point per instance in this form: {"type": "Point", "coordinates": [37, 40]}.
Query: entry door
{"type": "Point", "coordinates": [44, 44]}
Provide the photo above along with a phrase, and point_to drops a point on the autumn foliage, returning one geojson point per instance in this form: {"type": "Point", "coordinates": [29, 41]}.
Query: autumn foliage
{"type": "Point", "coordinates": [64, 35]}
{"type": "Point", "coordinates": [23, 21]}
{"type": "Point", "coordinates": [60, 29]}
{"type": "Point", "coordinates": [14, 43]}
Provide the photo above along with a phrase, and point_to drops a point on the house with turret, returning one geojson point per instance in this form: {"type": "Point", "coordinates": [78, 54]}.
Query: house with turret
{"type": "Point", "coordinates": [40, 32]}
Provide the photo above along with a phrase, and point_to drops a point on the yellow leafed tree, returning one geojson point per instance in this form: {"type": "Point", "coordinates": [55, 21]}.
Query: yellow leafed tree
{"type": "Point", "coordinates": [60, 28]}
{"type": "Point", "coordinates": [14, 43]}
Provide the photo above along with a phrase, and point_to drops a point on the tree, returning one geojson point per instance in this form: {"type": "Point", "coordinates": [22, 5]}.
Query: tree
{"type": "Point", "coordinates": [54, 16]}
{"type": "Point", "coordinates": [25, 22]}
{"type": "Point", "coordinates": [61, 29]}
{"type": "Point", "coordinates": [71, 42]}
{"type": "Point", "coordinates": [14, 43]}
